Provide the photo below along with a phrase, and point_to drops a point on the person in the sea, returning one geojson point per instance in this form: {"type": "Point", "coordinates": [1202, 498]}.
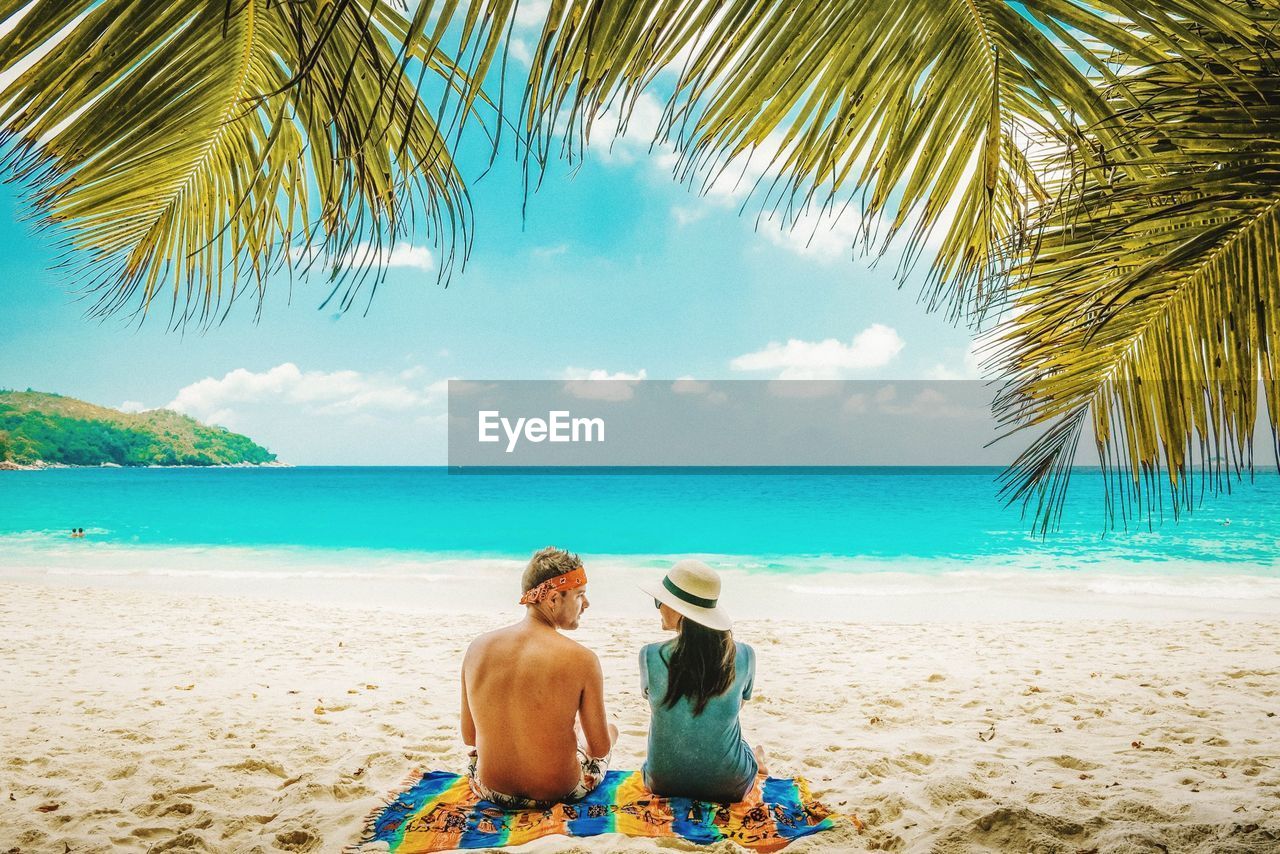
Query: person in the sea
{"type": "Point", "coordinates": [696, 685]}
{"type": "Point", "coordinates": [533, 700]}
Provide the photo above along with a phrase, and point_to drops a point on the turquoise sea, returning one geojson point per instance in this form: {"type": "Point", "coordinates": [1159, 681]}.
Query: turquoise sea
{"type": "Point", "coordinates": [910, 519]}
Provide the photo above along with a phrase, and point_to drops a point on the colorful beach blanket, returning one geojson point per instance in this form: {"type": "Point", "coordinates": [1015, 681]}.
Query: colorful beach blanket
{"type": "Point", "coordinates": [439, 812]}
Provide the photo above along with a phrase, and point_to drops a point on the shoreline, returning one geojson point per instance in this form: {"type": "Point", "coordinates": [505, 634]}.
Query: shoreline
{"type": "Point", "coordinates": [812, 588]}
{"type": "Point", "coordinates": [157, 719]}
{"type": "Point", "coordinates": [41, 465]}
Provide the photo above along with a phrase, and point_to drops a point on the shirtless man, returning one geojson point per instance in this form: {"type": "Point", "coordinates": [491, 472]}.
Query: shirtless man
{"type": "Point", "coordinates": [533, 700]}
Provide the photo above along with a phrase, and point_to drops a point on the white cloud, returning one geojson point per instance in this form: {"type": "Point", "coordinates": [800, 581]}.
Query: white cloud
{"type": "Point", "coordinates": [579, 374]}
{"type": "Point", "coordinates": [320, 393]}
{"type": "Point", "coordinates": [804, 388]}
{"type": "Point", "coordinates": [687, 214]}
{"type": "Point", "coordinates": [401, 255]}
{"type": "Point", "coordinates": [133, 406]}
{"type": "Point", "coordinates": [545, 252]}
{"type": "Point", "coordinates": [732, 184]}
{"type": "Point", "coordinates": [465, 388]}
{"type": "Point", "coordinates": [826, 235]}
{"type": "Point", "coordinates": [693, 387]}
{"type": "Point", "coordinates": [929, 403]}
{"type": "Point", "coordinates": [600, 384]}
{"type": "Point", "coordinates": [406, 255]}
{"type": "Point", "coordinates": [855, 404]}
{"type": "Point", "coordinates": [623, 145]}
{"type": "Point", "coordinates": [969, 367]}
{"type": "Point", "coordinates": [320, 417]}
{"type": "Point", "coordinates": [873, 347]}
{"type": "Point", "coordinates": [518, 49]}
{"type": "Point", "coordinates": [688, 385]}
{"type": "Point", "coordinates": [823, 233]}
{"type": "Point", "coordinates": [532, 13]}
{"type": "Point", "coordinates": [412, 373]}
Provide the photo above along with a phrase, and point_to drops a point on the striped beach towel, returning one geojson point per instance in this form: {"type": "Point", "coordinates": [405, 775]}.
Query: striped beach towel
{"type": "Point", "coordinates": [438, 811]}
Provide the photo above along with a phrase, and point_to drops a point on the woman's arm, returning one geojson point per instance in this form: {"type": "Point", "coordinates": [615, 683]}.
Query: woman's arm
{"type": "Point", "coordinates": [644, 671]}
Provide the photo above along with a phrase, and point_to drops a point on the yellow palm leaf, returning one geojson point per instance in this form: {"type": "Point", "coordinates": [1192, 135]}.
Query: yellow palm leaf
{"type": "Point", "coordinates": [188, 147]}
{"type": "Point", "coordinates": [1151, 310]}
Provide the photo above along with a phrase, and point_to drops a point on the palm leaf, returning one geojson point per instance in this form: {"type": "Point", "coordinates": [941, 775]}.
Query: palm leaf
{"type": "Point", "coordinates": [922, 107]}
{"type": "Point", "coordinates": [1152, 308]}
{"type": "Point", "coordinates": [188, 147]}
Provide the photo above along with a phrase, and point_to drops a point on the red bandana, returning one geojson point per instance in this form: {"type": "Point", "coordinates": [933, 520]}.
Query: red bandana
{"type": "Point", "coordinates": [571, 579]}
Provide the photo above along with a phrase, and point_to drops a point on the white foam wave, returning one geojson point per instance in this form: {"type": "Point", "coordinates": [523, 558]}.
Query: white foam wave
{"type": "Point", "coordinates": [753, 579]}
{"type": "Point", "coordinates": [247, 574]}
{"type": "Point", "coordinates": [1101, 584]}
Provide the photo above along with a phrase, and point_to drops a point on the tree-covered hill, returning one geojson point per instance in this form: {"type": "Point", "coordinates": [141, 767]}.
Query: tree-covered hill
{"type": "Point", "coordinates": [37, 427]}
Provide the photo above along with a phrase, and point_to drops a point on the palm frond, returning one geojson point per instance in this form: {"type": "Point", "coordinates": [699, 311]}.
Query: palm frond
{"type": "Point", "coordinates": [923, 107]}
{"type": "Point", "coordinates": [188, 147]}
{"type": "Point", "coordinates": [1152, 307]}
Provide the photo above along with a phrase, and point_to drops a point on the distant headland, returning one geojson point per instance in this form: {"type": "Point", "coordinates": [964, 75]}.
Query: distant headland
{"type": "Point", "coordinates": [40, 430]}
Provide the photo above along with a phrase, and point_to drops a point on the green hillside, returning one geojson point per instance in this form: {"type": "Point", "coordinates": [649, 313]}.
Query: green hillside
{"type": "Point", "coordinates": [38, 427]}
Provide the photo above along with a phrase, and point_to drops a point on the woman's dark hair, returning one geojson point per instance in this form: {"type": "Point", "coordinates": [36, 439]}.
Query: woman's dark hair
{"type": "Point", "coordinates": [701, 665]}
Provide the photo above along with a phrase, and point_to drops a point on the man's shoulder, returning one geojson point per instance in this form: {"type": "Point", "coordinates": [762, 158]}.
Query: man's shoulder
{"type": "Point", "coordinates": [519, 636]}
{"type": "Point", "coordinates": [490, 636]}
{"type": "Point", "coordinates": [495, 638]}
{"type": "Point", "coordinates": [576, 650]}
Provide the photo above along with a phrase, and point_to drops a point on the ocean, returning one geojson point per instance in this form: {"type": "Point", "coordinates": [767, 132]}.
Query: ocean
{"type": "Point", "coordinates": [831, 531]}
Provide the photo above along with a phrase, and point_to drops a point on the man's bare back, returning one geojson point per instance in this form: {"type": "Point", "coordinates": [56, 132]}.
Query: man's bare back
{"type": "Point", "coordinates": [527, 690]}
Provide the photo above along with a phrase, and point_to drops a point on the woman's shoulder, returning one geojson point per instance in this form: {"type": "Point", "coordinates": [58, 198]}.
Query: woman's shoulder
{"type": "Point", "coordinates": [653, 650]}
{"type": "Point", "coordinates": [746, 652]}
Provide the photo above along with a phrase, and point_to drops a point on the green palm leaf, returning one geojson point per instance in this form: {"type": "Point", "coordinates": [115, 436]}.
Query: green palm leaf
{"type": "Point", "coordinates": [1151, 310]}
{"type": "Point", "coordinates": [187, 147]}
{"type": "Point", "coordinates": [922, 106]}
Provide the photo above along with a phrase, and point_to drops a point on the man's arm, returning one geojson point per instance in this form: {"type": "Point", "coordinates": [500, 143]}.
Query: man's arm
{"type": "Point", "coordinates": [595, 728]}
{"type": "Point", "coordinates": [468, 725]}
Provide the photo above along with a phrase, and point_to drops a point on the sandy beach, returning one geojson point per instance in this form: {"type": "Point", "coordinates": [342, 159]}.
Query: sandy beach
{"type": "Point", "coordinates": [166, 720]}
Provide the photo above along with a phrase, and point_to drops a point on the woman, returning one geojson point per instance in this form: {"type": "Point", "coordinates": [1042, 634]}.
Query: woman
{"type": "Point", "coordinates": [696, 684]}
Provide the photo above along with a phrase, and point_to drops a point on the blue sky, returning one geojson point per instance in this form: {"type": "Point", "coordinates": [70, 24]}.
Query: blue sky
{"type": "Point", "coordinates": [615, 270]}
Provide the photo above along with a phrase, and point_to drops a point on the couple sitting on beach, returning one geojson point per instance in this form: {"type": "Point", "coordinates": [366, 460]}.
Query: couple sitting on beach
{"type": "Point", "coordinates": [533, 700]}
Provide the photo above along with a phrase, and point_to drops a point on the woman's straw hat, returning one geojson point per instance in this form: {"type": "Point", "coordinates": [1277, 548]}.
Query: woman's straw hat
{"type": "Point", "coordinates": [692, 589]}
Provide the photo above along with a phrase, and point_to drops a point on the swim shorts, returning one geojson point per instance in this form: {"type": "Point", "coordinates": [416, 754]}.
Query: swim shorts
{"type": "Point", "coordinates": [591, 772]}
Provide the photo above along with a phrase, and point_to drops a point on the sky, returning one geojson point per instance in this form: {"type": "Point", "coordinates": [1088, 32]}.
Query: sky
{"type": "Point", "coordinates": [615, 270]}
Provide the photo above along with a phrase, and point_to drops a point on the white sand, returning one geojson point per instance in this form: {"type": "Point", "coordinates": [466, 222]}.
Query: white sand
{"type": "Point", "coordinates": [144, 719]}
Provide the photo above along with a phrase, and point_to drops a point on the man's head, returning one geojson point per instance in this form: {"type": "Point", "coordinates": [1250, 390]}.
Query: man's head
{"type": "Point", "coordinates": [563, 608]}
